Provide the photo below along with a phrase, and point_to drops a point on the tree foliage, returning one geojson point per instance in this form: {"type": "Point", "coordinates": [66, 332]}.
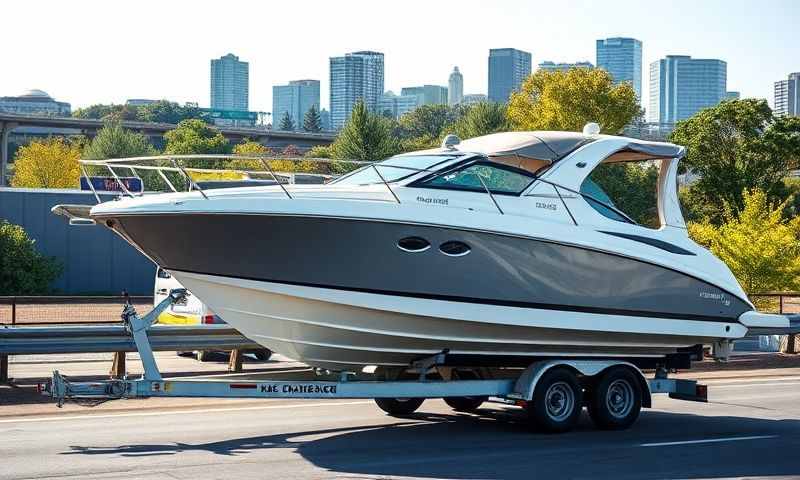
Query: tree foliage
{"type": "Point", "coordinates": [569, 100]}
{"type": "Point", "coordinates": [50, 163]}
{"type": "Point", "coordinates": [114, 141]}
{"type": "Point", "coordinates": [365, 136]}
{"type": "Point", "coordinates": [312, 121]}
{"type": "Point", "coordinates": [480, 119]}
{"type": "Point", "coordinates": [287, 124]}
{"type": "Point", "coordinates": [162, 111]}
{"type": "Point", "coordinates": [734, 147]}
{"type": "Point", "coordinates": [195, 137]}
{"type": "Point", "coordinates": [23, 269]}
{"type": "Point", "coordinates": [429, 121]}
{"type": "Point", "coordinates": [320, 151]}
{"type": "Point", "coordinates": [761, 248]}
{"type": "Point", "coordinates": [632, 188]}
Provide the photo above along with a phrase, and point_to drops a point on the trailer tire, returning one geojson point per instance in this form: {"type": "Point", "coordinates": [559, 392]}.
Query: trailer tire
{"type": "Point", "coordinates": [399, 406]}
{"type": "Point", "coordinates": [616, 399]}
{"type": "Point", "coordinates": [557, 402]}
{"type": "Point", "coordinates": [464, 404]}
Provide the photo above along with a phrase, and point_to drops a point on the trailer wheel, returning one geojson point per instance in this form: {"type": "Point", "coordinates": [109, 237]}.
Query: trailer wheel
{"type": "Point", "coordinates": [616, 399]}
{"type": "Point", "coordinates": [399, 406]}
{"type": "Point", "coordinates": [464, 404]}
{"type": "Point", "coordinates": [557, 402]}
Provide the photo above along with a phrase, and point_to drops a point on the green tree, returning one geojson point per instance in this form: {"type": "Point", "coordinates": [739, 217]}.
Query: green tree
{"type": "Point", "coordinates": [287, 124]}
{"type": "Point", "coordinates": [428, 121]}
{"type": "Point", "coordinates": [365, 136]}
{"type": "Point", "coordinates": [733, 147]}
{"type": "Point", "coordinates": [632, 188]}
{"type": "Point", "coordinates": [114, 141]}
{"type": "Point", "coordinates": [99, 111]}
{"type": "Point", "coordinates": [164, 111]}
{"type": "Point", "coordinates": [312, 121]}
{"type": "Point", "coordinates": [194, 136]}
{"type": "Point", "coordinates": [761, 248]}
{"type": "Point", "coordinates": [569, 100]}
{"type": "Point", "coordinates": [23, 269]}
{"type": "Point", "coordinates": [50, 163]}
{"type": "Point", "coordinates": [480, 119]}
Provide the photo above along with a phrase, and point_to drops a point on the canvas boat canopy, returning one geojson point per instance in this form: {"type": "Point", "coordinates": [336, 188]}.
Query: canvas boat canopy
{"type": "Point", "coordinates": [534, 150]}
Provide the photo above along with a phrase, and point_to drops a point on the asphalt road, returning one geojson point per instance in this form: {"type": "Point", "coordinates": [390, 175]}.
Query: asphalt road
{"type": "Point", "coordinates": [750, 428]}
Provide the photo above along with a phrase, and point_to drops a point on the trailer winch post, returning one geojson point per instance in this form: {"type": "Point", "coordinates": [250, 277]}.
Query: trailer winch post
{"type": "Point", "coordinates": [137, 326]}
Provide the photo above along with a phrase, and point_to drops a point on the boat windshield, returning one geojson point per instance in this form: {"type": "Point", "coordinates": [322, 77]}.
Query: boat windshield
{"type": "Point", "coordinates": [393, 169]}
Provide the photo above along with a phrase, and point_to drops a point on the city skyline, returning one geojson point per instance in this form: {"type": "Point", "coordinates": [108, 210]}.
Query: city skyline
{"type": "Point", "coordinates": [163, 67]}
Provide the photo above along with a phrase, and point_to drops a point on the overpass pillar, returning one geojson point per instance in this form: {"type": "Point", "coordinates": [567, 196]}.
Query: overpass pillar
{"type": "Point", "coordinates": [5, 130]}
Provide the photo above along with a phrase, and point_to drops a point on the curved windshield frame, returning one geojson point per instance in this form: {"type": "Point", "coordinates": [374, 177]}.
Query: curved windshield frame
{"type": "Point", "coordinates": [393, 169]}
{"type": "Point", "coordinates": [500, 179]}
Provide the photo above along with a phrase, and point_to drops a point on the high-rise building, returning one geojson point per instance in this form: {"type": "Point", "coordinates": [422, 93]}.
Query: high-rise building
{"type": "Point", "coordinates": [35, 102]}
{"type": "Point", "coordinates": [508, 68]}
{"type": "Point", "coordinates": [681, 85]}
{"type": "Point", "coordinates": [473, 98]}
{"type": "Point", "coordinates": [455, 88]}
{"type": "Point", "coordinates": [622, 59]}
{"type": "Point", "coordinates": [395, 106]}
{"type": "Point", "coordinates": [787, 96]}
{"type": "Point", "coordinates": [230, 83]}
{"type": "Point", "coordinates": [296, 99]}
{"type": "Point", "coordinates": [428, 94]}
{"type": "Point", "coordinates": [563, 67]}
{"type": "Point", "coordinates": [355, 76]}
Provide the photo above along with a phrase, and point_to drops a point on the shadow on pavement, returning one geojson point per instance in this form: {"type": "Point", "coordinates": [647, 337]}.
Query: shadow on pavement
{"type": "Point", "coordinates": [496, 444]}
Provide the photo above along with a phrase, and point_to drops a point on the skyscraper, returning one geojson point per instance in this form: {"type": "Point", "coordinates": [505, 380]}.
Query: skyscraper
{"type": "Point", "coordinates": [230, 83]}
{"type": "Point", "coordinates": [622, 58]}
{"type": "Point", "coordinates": [508, 68]}
{"type": "Point", "coordinates": [681, 85]}
{"type": "Point", "coordinates": [563, 67]}
{"type": "Point", "coordinates": [296, 98]}
{"type": "Point", "coordinates": [395, 106]}
{"type": "Point", "coordinates": [428, 94]}
{"type": "Point", "coordinates": [455, 88]}
{"type": "Point", "coordinates": [787, 96]}
{"type": "Point", "coordinates": [357, 75]}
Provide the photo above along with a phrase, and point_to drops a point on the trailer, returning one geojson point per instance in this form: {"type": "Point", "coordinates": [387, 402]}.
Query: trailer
{"type": "Point", "coordinates": [552, 391]}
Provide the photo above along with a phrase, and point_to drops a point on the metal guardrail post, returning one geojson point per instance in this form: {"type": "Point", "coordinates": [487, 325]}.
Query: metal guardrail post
{"type": "Point", "coordinates": [13, 311]}
{"type": "Point", "coordinates": [3, 368]}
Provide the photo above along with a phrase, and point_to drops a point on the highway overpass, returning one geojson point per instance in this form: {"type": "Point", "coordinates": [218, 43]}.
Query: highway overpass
{"type": "Point", "coordinates": [89, 128]}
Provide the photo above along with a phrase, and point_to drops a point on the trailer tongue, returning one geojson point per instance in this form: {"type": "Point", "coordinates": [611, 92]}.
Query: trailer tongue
{"type": "Point", "coordinates": [553, 391]}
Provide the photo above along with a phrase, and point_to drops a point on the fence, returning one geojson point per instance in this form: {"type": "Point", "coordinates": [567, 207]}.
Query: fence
{"type": "Point", "coordinates": [20, 310]}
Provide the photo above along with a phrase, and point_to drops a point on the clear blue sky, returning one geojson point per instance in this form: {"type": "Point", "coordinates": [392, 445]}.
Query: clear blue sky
{"type": "Point", "coordinates": [88, 52]}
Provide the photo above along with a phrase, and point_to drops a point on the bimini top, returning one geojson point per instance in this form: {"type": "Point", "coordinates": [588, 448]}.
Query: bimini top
{"type": "Point", "coordinates": [533, 150]}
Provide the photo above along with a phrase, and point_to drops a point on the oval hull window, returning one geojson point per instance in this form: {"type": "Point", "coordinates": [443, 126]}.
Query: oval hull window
{"type": "Point", "coordinates": [454, 248]}
{"type": "Point", "coordinates": [413, 244]}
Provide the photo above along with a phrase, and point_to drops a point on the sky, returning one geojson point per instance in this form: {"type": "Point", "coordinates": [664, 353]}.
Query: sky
{"type": "Point", "coordinates": [87, 52]}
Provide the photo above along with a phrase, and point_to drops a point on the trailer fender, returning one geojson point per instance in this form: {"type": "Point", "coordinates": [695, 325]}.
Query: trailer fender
{"type": "Point", "coordinates": [526, 383]}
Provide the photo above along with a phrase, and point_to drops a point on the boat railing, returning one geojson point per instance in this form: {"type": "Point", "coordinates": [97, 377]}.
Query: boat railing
{"type": "Point", "coordinates": [175, 171]}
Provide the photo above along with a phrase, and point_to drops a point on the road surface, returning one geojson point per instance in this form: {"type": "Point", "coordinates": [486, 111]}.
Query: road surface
{"type": "Point", "coordinates": [750, 428]}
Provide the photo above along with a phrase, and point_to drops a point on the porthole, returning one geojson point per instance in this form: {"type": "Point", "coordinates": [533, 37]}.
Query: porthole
{"type": "Point", "coordinates": [413, 244]}
{"type": "Point", "coordinates": [454, 248]}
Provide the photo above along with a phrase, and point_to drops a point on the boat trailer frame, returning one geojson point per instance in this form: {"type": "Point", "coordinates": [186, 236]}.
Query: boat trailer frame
{"type": "Point", "coordinates": [310, 383]}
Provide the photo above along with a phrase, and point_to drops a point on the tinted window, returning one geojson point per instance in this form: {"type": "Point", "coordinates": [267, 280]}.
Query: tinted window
{"type": "Point", "coordinates": [627, 187]}
{"type": "Point", "coordinates": [393, 169]}
{"type": "Point", "coordinates": [497, 179]}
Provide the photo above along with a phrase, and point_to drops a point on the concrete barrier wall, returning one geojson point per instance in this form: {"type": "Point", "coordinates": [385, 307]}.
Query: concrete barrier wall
{"type": "Point", "coordinates": [95, 260]}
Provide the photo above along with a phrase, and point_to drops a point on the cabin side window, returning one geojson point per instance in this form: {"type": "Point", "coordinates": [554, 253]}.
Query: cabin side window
{"type": "Point", "coordinates": [624, 191]}
{"type": "Point", "coordinates": [498, 179]}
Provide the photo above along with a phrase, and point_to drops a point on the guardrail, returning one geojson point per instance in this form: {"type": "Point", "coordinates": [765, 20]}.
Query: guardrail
{"type": "Point", "coordinates": [114, 338]}
{"type": "Point", "coordinates": [55, 310]}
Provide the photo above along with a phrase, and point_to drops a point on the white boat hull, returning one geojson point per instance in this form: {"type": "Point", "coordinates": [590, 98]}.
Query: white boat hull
{"type": "Point", "coordinates": [347, 330]}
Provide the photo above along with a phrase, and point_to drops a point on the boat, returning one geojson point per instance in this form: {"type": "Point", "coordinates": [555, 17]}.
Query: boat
{"type": "Point", "coordinates": [492, 249]}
